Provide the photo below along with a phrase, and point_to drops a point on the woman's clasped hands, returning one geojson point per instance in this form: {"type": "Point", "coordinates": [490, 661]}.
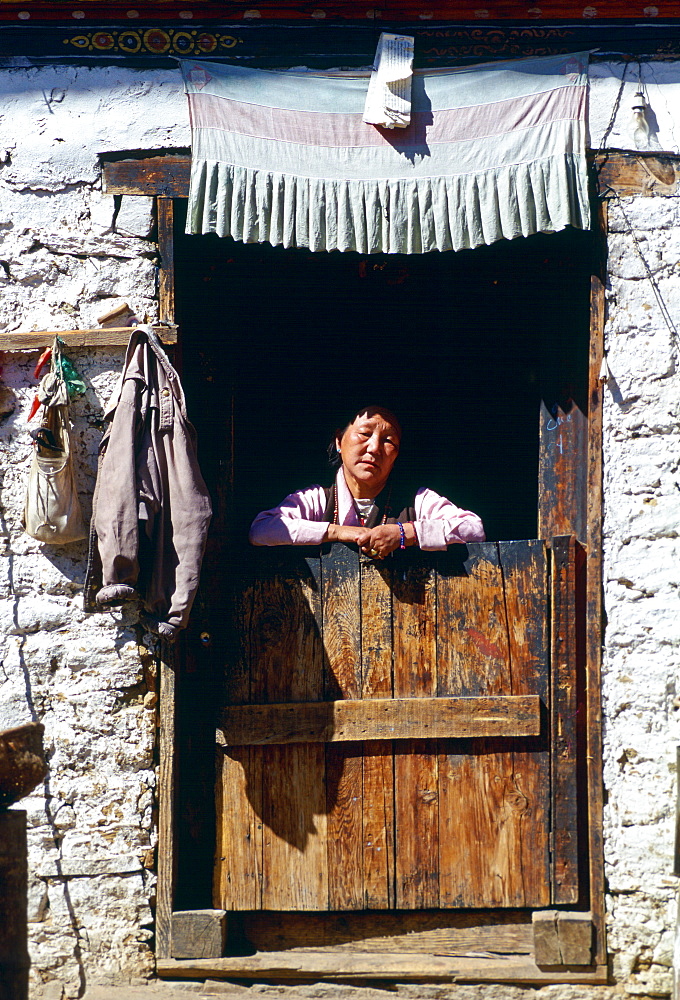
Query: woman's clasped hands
{"type": "Point", "coordinates": [375, 542]}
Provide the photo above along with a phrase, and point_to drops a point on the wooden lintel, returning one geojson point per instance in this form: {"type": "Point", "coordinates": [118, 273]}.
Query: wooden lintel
{"type": "Point", "coordinates": [380, 719]}
{"type": "Point", "coordinates": [111, 336]}
{"type": "Point", "coordinates": [626, 172]}
{"type": "Point", "coordinates": [357, 965]}
{"type": "Point", "coordinates": [166, 176]}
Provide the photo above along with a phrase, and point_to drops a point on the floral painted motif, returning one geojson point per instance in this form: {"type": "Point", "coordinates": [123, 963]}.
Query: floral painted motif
{"type": "Point", "coordinates": [154, 41]}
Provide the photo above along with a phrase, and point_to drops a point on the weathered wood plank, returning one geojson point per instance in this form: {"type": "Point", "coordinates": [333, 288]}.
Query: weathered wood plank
{"type": "Point", "coordinates": [344, 770]}
{"type": "Point", "coordinates": [321, 965]}
{"type": "Point", "coordinates": [295, 874]}
{"type": "Point", "coordinates": [237, 880]}
{"type": "Point", "coordinates": [594, 605]}
{"type": "Point", "coordinates": [165, 212]}
{"type": "Point", "coordinates": [546, 941]}
{"type": "Point", "coordinates": [378, 825]}
{"type": "Point", "coordinates": [439, 932]}
{"type": "Point", "coordinates": [344, 807]}
{"type": "Point", "coordinates": [562, 939]}
{"type": "Point", "coordinates": [575, 931]}
{"type": "Point", "coordinates": [14, 957]}
{"type": "Point", "coordinates": [562, 473]}
{"type": "Point", "coordinates": [166, 176]}
{"type": "Point", "coordinates": [636, 173]}
{"type": "Point", "coordinates": [378, 764]}
{"type": "Point", "coordinates": [473, 660]}
{"type": "Point", "coordinates": [472, 638]}
{"type": "Point", "coordinates": [380, 719]}
{"type": "Point", "coordinates": [376, 631]}
{"type": "Point", "coordinates": [524, 567]}
{"type": "Point", "coordinates": [564, 708]}
{"type": "Point", "coordinates": [415, 762]}
{"type": "Point", "coordinates": [237, 884]}
{"type": "Point", "coordinates": [112, 336]}
{"type": "Point", "coordinates": [167, 795]}
{"type": "Point", "coordinates": [198, 933]}
{"type": "Point", "coordinates": [291, 663]}
{"type": "Point", "coordinates": [341, 623]}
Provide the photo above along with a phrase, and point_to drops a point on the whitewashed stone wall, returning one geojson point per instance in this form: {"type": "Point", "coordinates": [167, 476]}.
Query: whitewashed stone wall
{"type": "Point", "coordinates": [68, 253]}
{"type": "Point", "coordinates": [642, 581]}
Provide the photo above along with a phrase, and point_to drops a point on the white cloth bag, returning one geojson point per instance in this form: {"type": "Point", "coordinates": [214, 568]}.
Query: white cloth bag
{"type": "Point", "coordinates": [52, 510]}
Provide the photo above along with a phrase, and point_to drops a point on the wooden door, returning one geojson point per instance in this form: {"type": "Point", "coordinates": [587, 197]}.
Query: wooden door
{"type": "Point", "coordinates": [385, 734]}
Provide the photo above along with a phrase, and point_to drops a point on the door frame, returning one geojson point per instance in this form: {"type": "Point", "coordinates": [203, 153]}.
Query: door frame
{"type": "Point", "coordinates": [165, 177]}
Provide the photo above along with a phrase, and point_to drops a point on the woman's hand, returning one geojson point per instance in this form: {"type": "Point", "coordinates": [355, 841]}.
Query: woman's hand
{"type": "Point", "coordinates": [378, 542]}
{"type": "Point", "coordinates": [344, 533]}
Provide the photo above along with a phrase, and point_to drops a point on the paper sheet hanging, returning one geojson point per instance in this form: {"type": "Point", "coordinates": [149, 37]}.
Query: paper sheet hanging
{"type": "Point", "coordinates": [388, 101]}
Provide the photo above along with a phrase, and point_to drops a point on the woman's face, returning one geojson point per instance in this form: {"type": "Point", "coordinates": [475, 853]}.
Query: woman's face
{"type": "Point", "coordinates": [369, 448]}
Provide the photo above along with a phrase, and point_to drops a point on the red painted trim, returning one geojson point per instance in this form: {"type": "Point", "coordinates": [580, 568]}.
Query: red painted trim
{"type": "Point", "coordinates": [317, 11]}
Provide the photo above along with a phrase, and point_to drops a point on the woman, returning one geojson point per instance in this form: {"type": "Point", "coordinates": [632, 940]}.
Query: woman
{"type": "Point", "coordinates": [360, 507]}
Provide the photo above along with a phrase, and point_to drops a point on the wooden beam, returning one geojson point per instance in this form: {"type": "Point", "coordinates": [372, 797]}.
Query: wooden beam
{"type": "Point", "coordinates": [450, 932]}
{"type": "Point", "coordinates": [14, 959]}
{"type": "Point", "coordinates": [562, 465]}
{"type": "Point", "coordinates": [563, 710]}
{"type": "Point", "coordinates": [625, 173]}
{"type": "Point", "coordinates": [380, 719]}
{"type": "Point", "coordinates": [163, 176]}
{"type": "Point", "coordinates": [166, 249]}
{"type": "Point", "coordinates": [594, 602]}
{"type": "Point", "coordinates": [358, 965]}
{"type": "Point", "coordinates": [167, 794]}
{"type": "Point", "coordinates": [112, 336]}
{"type": "Point", "coordinates": [676, 853]}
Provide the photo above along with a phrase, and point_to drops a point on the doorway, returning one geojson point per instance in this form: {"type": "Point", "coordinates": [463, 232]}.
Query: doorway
{"type": "Point", "coordinates": [281, 346]}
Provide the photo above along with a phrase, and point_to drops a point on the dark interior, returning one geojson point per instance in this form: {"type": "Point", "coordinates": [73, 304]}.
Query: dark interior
{"type": "Point", "coordinates": [280, 347]}
{"type": "Point", "coordinates": [462, 346]}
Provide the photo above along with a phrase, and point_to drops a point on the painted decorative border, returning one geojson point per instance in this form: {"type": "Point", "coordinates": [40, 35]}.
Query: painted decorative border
{"type": "Point", "coordinates": [271, 43]}
{"type": "Point", "coordinates": [152, 41]}
{"type": "Point", "coordinates": [318, 10]}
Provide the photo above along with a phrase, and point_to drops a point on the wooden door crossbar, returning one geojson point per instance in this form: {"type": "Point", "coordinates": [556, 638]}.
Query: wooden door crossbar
{"type": "Point", "coordinates": [380, 719]}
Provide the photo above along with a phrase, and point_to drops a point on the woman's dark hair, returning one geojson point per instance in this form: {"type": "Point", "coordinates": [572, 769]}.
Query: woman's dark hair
{"type": "Point", "coordinates": [334, 458]}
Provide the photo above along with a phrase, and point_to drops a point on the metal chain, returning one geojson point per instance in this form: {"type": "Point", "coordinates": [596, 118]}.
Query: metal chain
{"type": "Point", "coordinates": [615, 110]}
{"type": "Point", "coordinates": [668, 319]}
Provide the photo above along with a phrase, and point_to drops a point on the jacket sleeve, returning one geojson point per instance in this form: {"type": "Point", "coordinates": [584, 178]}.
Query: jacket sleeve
{"type": "Point", "coordinates": [116, 514]}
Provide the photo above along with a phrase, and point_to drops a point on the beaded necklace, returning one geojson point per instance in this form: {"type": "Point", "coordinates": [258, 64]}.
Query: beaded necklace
{"type": "Point", "coordinates": [358, 512]}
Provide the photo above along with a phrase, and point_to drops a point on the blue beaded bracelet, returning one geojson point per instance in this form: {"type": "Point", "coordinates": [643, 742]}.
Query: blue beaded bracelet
{"type": "Point", "coordinates": [402, 535]}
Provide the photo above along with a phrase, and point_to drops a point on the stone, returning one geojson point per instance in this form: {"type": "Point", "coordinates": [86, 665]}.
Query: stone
{"type": "Point", "coordinates": [135, 216]}
{"type": "Point", "coordinates": [8, 401]}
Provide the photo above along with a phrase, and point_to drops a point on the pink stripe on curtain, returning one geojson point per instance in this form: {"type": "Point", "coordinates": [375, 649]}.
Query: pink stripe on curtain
{"type": "Point", "coordinates": [346, 130]}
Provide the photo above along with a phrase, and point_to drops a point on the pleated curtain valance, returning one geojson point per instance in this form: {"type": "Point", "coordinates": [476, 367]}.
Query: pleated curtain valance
{"type": "Point", "coordinates": [492, 152]}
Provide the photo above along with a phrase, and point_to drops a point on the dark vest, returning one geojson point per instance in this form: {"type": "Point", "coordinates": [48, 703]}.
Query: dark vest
{"type": "Point", "coordinates": [386, 502]}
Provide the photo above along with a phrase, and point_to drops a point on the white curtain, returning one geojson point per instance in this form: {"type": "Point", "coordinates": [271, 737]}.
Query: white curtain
{"type": "Point", "coordinates": [492, 152]}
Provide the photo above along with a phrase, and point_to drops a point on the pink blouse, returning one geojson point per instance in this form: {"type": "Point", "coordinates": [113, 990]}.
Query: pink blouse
{"type": "Point", "coordinates": [298, 519]}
